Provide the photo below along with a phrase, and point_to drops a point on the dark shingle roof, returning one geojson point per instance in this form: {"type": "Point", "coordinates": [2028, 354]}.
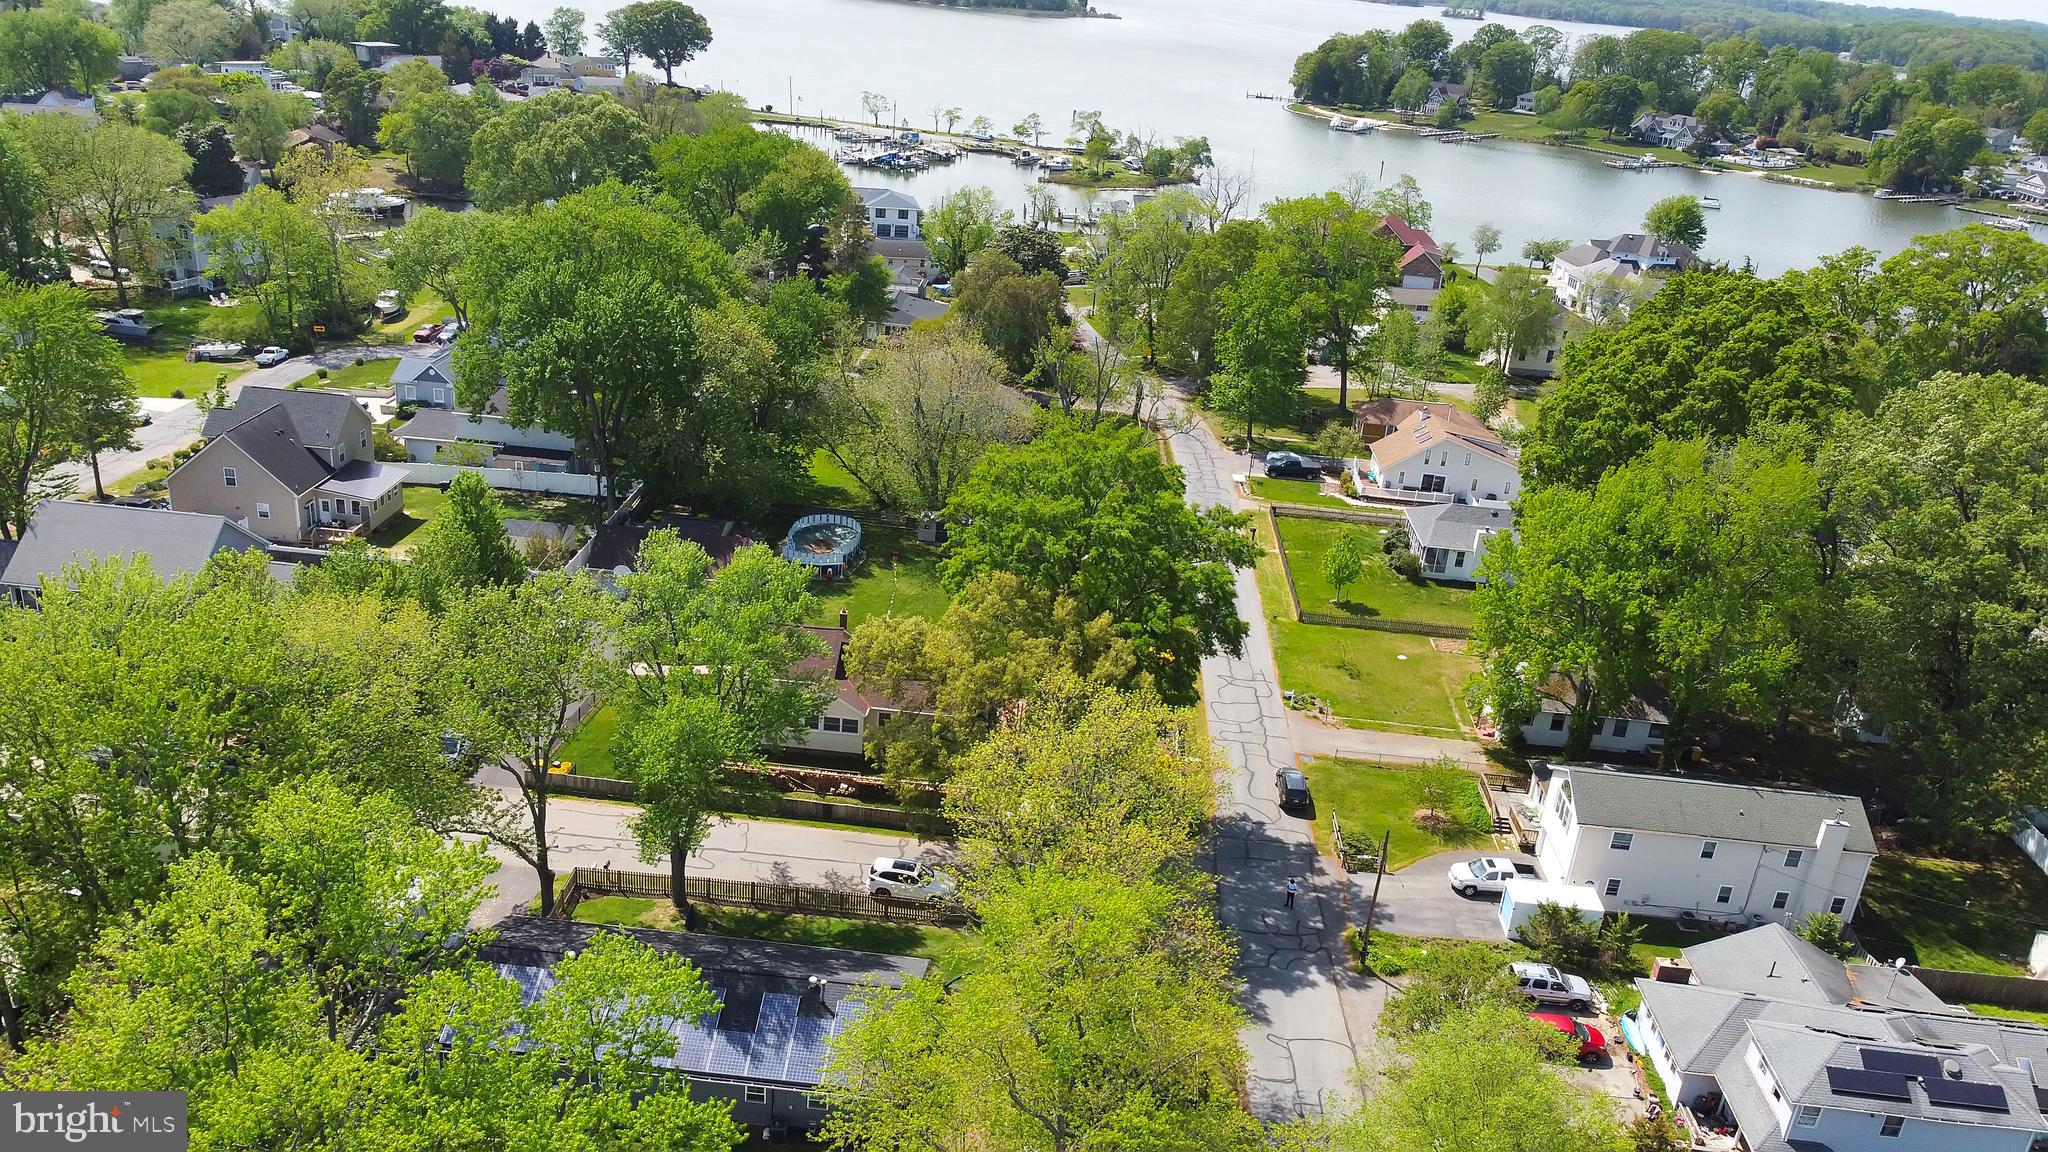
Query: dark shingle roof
{"type": "Point", "coordinates": [320, 416]}
{"type": "Point", "coordinates": [1723, 809]}
{"type": "Point", "coordinates": [65, 532]}
{"type": "Point", "coordinates": [272, 439]}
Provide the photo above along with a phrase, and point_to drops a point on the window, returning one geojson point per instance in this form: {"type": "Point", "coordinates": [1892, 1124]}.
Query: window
{"type": "Point", "coordinates": [1458, 561]}
{"type": "Point", "coordinates": [1807, 1116]}
{"type": "Point", "coordinates": [1549, 355]}
{"type": "Point", "coordinates": [355, 507]}
{"type": "Point", "coordinates": [363, 441]}
{"type": "Point", "coordinates": [1613, 887]}
{"type": "Point", "coordinates": [437, 395]}
{"type": "Point", "coordinates": [1793, 856]}
{"type": "Point", "coordinates": [881, 213]}
{"type": "Point", "coordinates": [814, 1101]}
{"type": "Point", "coordinates": [1656, 731]}
{"type": "Point", "coordinates": [1891, 1126]}
{"type": "Point", "coordinates": [1620, 727]}
{"type": "Point", "coordinates": [325, 507]}
{"type": "Point", "coordinates": [263, 511]}
{"type": "Point", "coordinates": [1781, 899]}
{"type": "Point", "coordinates": [1837, 905]}
{"type": "Point", "coordinates": [1707, 848]}
{"type": "Point", "coordinates": [757, 1094]}
{"type": "Point", "coordinates": [1557, 720]}
{"type": "Point", "coordinates": [227, 477]}
{"type": "Point", "coordinates": [1622, 841]}
{"type": "Point", "coordinates": [411, 393]}
{"type": "Point", "coordinates": [903, 213]}
{"type": "Point", "coordinates": [1726, 894]}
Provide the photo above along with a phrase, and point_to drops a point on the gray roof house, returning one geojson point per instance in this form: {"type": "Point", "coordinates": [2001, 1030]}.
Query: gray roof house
{"type": "Point", "coordinates": [905, 309]}
{"type": "Point", "coordinates": [1800, 1051]}
{"type": "Point", "coordinates": [892, 215]}
{"type": "Point", "coordinates": [295, 466]}
{"type": "Point", "coordinates": [66, 532]}
{"type": "Point", "coordinates": [779, 1005]}
{"type": "Point", "coordinates": [433, 430]}
{"type": "Point", "coordinates": [1669, 131]}
{"type": "Point", "coordinates": [1450, 538]}
{"type": "Point", "coordinates": [426, 378]}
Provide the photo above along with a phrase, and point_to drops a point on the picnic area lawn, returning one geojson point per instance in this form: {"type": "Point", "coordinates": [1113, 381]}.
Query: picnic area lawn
{"type": "Point", "coordinates": [160, 369]}
{"type": "Point", "coordinates": [939, 945]}
{"type": "Point", "coordinates": [423, 502]}
{"type": "Point", "coordinates": [1965, 915]}
{"type": "Point", "coordinates": [373, 373]}
{"type": "Point", "coordinates": [1369, 800]}
{"type": "Point", "coordinates": [1369, 678]}
{"type": "Point", "coordinates": [1379, 591]}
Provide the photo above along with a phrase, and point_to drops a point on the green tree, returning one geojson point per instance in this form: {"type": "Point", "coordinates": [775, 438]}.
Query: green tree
{"type": "Point", "coordinates": [1450, 982]}
{"type": "Point", "coordinates": [1678, 220]}
{"type": "Point", "coordinates": [278, 250]}
{"type": "Point", "coordinates": [961, 223]}
{"type": "Point", "coordinates": [668, 33]}
{"type": "Point", "coordinates": [1034, 248]}
{"type": "Point", "coordinates": [60, 377]}
{"type": "Point", "coordinates": [110, 184]}
{"type": "Point", "coordinates": [54, 46]}
{"type": "Point", "coordinates": [1539, 253]}
{"type": "Point", "coordinates": [105, 404]}
{"type": "Point", "coordinates": [428, 254]}
{"type": "Point", "coordinates": [1344, 563]}
{"type": "Point", "coordinates": [351, 95]}
{"type": "Point", "coordinates": [1262, 351]}
{"type": "Point", "coordinates": [1411, 90]}
{"type": "Point", "coordinates": [23, 246]}
{"type": "Point", "coordinates": [1970, 300]}
{"type": "Point", "coordinates": [263, 122]}
{"type": "Point", "coordinates": [465, 547]}
{"type": "Point", "coordinates": [1141, 251]}
{"type": "Point", "coordinates": [189, 32]}
{"type": "Point", "coordinates": [2036, 130]}
{"type": "Point", "coordinates": [1609, 102]}
{"type": "Point", "coordinates": [1335, 253]}
{"type": "Point", "coordinates": [754, 188]}
{"type": "Point", "coordinates": [214, 169]}
{"type": "Point", "coordinates": [416, 26]}
{"type": "Point", "coordinates": [1098, 515]}
{"type": "Point", "coordinates": [564, 28]}
{"type": "Point", "coordinates": [1091, 1008]}
{"type": "Point", "coordinates": [1513, 314]}
{"type": "Point", "coordinates": [434, 130]}
{"type": "Point", "coordinates": [1485, 242]}
{"type": "Point", "coordinates": [1011, 311]}
{"type": "Point", "coordinates": [525, 657]}
{"type": "Point", "coordinates": [547, 148]}
{"type": "Point", "coordinates": [1825, 931]}
{"type": "Point", "coordinates": [1191, 317]}
{"type": "Point", "coordinates": [1032, 126]}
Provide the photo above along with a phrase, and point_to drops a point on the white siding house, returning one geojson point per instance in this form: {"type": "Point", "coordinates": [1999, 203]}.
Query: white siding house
{"type": "Point", "coordinates": [1428, 455]}
{"type": "Point", "coordinates": [1449, 539]}
{"type": "Point", "coordinates": [841, 728]}
{"type": "Point", "coordinates": [1659, 844]}
{"type": "Point", "coordinates": [892, 215]}
{"type": "Point", "coordinates": [1634, 727]}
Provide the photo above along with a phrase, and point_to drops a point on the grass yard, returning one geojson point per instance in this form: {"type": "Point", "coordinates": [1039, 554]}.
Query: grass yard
{"type": "Point", "coordinates": [897, 574]}
{"type": "Point", "coordinates": [1378, 592]}
{"type": "Point", "coordinates": [161, 369]}
{"type": "Point", "coordinates": [369, 374]}
{"type": "Point", "coordinates": [589, 747]}
{"type": "Point", "coordinates": [939, 945]}
{"type": "Point", "coordinates": [1294, 492]}
{"type": "Point", "coordinates": [141, 478]}
{"type": "Point", "coordinates": [2027, 1015]}
{"type": "Point", "coordinates": [1370, 679]}
{"type": "Point", "coordinates": [1374, 799]}
{"type": "Point", "coordinates": [423, 502]}
{"type": "Point", "coordinates": [426, 308]}
{"type": "Point", "coordinates": [1973, 917]}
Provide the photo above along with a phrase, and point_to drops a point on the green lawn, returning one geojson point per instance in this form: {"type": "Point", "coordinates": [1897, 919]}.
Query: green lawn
{"type": "Point", "coordinates": [1307, 492]}
{"type": "Point", "coordinates": [1515, 126]}
{"type": "Point", "coordinates": [939, 945]}
{"type": "Point", "coordinates": [423, 502]}
{"type": "Point", "coordinates": [1378, 592]}
{"type": "Point", "coordinates": [1374, 799]}
{"type": "Point", "coordinates": [369, 374]}
{"type": "Point", "coordinates": [161, 369]}
{"type": "Point", "coordinates": [426, 308]}
{"type": "Point", "coordinates": [589, 747]}
{"type": "Point", "coordinates": [141, 478]}
{"type": "Point", "coordinates": [1974, 917]}
{"type": "Point", "coordinates": [896, 575]}
{"type": "Point", "coordinates": [2027, 1015]}
{"type": "Point", "coordinates": [1370, 679]}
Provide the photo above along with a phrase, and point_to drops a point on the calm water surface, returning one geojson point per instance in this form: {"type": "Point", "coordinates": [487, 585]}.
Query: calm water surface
{"type": "Point", "coordinates": [1183, 68]}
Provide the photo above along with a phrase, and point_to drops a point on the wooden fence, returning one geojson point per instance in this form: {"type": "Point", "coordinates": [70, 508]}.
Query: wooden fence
{"type": "Point", "coordinates": [786, 899]}
{"type": "Point", "coordinates": [1347, 515]}
{"type": "Point", "coordinates": [1983, 987]}
{"type": "Point", "coordinates": [1372, 623]}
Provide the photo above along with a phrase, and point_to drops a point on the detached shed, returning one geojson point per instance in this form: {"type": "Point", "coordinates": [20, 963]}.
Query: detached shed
{"type": "Point", "coordinates": [1518, 901]}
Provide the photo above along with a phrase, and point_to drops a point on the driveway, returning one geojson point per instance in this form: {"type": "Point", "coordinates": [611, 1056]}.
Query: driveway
{"type": "Point", "coordinates": [1316, 739]}
{"type": "Point", "coordinates": [1418, 901]}
{"type": "Point", "coordinates": [1310, 1012]}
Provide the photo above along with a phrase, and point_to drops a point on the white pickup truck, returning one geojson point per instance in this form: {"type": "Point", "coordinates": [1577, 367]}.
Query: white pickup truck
{"type": "Point", "coordinates": [1488, 874]}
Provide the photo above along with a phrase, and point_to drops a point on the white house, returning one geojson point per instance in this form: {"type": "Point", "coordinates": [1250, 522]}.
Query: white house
{"type": "Point", "coordinates": [1635, 726]}
{"type": "Point", "coordinates": [1798, 1050]}
{"type": "Point", "coordinates": [842, 727]}
{"type": "Point", "coordinates": [1428, 455]}
{"type": "Point", "coordinates": [910, 261]}
{"type": "Point", "coordinates": [56, 100]}
{"type": "Point", "coordinates": [434, 431]}
{"type": "Point", "coordinates": [2033, 190]}
{"type": "Point", "coordinates": [272, 78]}
{"type": "Point", "coordinates": [1664, 844]}
{"type": "Point", "coordinates": [1526, 103]}
{"type": "Point", "coordinates": [892, 215]}
{"type": "Point", "coordinates": [1597, 277]}
{"type": "Point", "coordinates": [1450, 538]}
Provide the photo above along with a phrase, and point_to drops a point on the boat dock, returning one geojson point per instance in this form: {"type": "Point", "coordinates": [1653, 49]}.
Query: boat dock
{"type": "Point", "coordinates": [1907, 198]}
{"type": "Point", "coordinates": [1643, 163]}
{"type": "Point", "coordinates": [1453, 136]}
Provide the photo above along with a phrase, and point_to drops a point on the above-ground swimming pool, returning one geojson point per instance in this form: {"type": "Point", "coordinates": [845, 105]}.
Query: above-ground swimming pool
{"type": "Point", "coordinates": [827, 541]}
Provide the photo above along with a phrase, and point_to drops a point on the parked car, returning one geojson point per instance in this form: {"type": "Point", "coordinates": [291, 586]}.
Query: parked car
{"type": "Point", "coordinates": [142, 417]}
{"type": "Point", "coordinates": [1546, 985]}
{"type": "Point", "coordinates": [1592, 1045]}
{"type": "Point", "coordinates": [1293, 789]}
{"type": "Point", "coordinates": [271, 356]}
{"type": "Point", "coordinates": [1288, 466]}
{"type": "Point", "coordinates": [1487, 874]}
{"type": "Point", "coordinates": [907, 880]}
{"type": "Point", "coordinates": [426, 333]}
{"type": "Point", "coordinates": [454, 746]}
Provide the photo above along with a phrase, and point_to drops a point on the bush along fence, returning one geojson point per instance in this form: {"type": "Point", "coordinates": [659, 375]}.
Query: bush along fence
{"type": "Point", "coordinates": [1370, 623]}
{"type": "Point", "coordinates": [782, 899]}
{"type": "Point", "coordinates": [785, 805]}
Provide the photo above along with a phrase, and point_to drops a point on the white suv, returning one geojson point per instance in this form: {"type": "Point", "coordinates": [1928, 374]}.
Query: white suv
{"type": "Point", "coordinates": [907, 880]}
{"type": "Point", "coordinates": [1545, 984]}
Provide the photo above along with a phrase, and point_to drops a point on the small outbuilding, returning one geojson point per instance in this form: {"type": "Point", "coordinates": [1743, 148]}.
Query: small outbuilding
{"type": "Point", "coordinates": [1520, 899]}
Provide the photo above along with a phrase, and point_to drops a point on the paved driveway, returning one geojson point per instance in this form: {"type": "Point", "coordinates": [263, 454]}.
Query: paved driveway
{"type": "Point", "coordinates": [1418, 901]}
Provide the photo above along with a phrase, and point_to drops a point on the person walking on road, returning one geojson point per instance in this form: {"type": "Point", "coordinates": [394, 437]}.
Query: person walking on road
{"type": "Point", "coordinates": [1292, 887]}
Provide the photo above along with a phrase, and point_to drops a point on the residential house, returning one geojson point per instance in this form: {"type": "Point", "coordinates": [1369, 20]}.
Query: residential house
{"type": "Point", "coordinates": [180, 255]}
{"type": "Point", "coordinates": [1596, 277]}
{"type": "Point", "coordinates": [1428, 455]}
{"type": "Point", "coordinates": [1443, 92]}
{"type": "Point", "coordinates": [1669, 131]}
{"type": "Point", "coordinates": [1796, 1050]}
{"type": "Point", "coordinates": [316, 135]}
{"type": "Point", "coordinates": [616, 547]}
{"type": "Point", "coordinates": [1415, 301]}
{"type": "Point", "coordinates": [1450, 538]}
{"type": "Point", "coordinates": [763, 1048]}
{"type": "Point", "coordinates": [435, 429]}
{"type": "Point", "coordinates": [62, 101]}
{"type": "Point", "coordinates": [130, 69]}
{"type": "Point", "coordinates": [425, 378]}
{"type": "Point", "coordinates": [294, 466]}
{"type": "Point", "coordinates": [1421, 263]}
{"type": "Point", "coordinates": [1375, 420]}
{"type": "Point", "coordinates": [62, 533]}
{"type": "Point", "coordinates": [272, 78]}
{"type": "Point", "coordinates": [910, 261]}
{"type": "Point", "coordinates": [373, 53]}
{"type": "Point", "coordinates": [1526, 103]}
{"type": "Point", "coordinates": [850, 711]}
{"type": "Point", "coordinates": [285, 27]}
{"type": "Point", "coordinates": [1675, 846]}
{"type": "Point", "coordinates": [2000, 140]}
{"type": "Point", "coordinates": [1633, 727]}
{"type": "Point", "coordinates": [1538, 360]}
{"type": "Point", "coordinates": [892, 215]}
{"type": "Point", "coordinates": [907, 308]}
{"type": "Point", "coordinates": [2033, 190]}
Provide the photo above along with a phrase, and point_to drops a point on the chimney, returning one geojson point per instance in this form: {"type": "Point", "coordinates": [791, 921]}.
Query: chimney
{"type": "Point", "coordinates": [842, 619]}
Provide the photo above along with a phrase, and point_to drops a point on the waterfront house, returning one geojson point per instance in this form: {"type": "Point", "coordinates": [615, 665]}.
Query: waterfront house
{"type": "Point", "coordinates": [1666, 844]}
{"type": "Point", "coordinates": [1595, 278]}
{"type": "Point", "coordinates": [1415, 301]}
{"type": "Point", "coordinates": [1442, 92]}
{"type": "Point", "coordinates": [2033, 190]}
{"type": "Point", "coordinates": [293, 465]}
{"type": "Point", "coordinates": [910, 261]}
{"type": "Point", "coordinates": [2000, 140]}
{"type": "Point", "coordinates": [1449, 539]}
{"type": "Point", "coordinates": [1445, 460]}
{"type": "Point", "coordinates": [62, 533]}
{"type": "Point", "coordinates": [1421, 263]}
{"type": "Point", "coordinates": [1526, 103]}
{"type": "Point", "coordinates": [1669, 131]}
{"type": "Point", "coordinates": [891, 215]}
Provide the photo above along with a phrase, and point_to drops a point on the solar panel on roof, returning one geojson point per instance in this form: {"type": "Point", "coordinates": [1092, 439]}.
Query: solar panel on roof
{"type": "Point", "coordinates": [1862, 1082]}
{"type": "Point", "coordinates": [773, 1033]}
{"type": "Point", "coordinates": [729, 1051]}
{"type": "Point", "coordinates": [1904, 1063]}
{"type": "Point", "coordinates": [1967, 1094]}
{"type": "Point", "coordinates": [807, 1050]}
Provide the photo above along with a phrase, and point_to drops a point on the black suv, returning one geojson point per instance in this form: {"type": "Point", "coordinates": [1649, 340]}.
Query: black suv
{"type": "Point", "coordinates": [1293, 789]}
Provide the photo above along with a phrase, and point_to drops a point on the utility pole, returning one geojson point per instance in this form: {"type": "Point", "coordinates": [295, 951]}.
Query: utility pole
{"type": "Point", "coordinates": [1365, 941]}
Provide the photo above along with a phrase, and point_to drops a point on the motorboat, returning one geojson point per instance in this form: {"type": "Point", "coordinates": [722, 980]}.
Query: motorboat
{"type": "Point", "coordinates": [1713, 202]}
{"type": "Point", "coordinates": [1058, 164]}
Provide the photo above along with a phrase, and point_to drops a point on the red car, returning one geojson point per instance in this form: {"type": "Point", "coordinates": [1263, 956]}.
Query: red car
{"type": "Point", "coordinates": [426, 333]}
{"type": "Point", "coordinates": [1592, 1045]}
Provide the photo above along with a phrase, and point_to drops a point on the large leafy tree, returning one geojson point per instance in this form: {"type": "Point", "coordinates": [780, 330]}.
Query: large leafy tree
{"type": "Point", "coordinates": [434, 129]}
{"type": "Point", "coordinates": [111, 184]}
{"type": "Point", "coordinates": [54, 46]}
{"type": "Point", "coordinates": [1011, 310]}
{"type": "Point", "coordinates": [1709, 355]}
{"type": "Point", "coordinates": [668, 33]}
{"type": "Point", "coordinates": [1971, 300]}
{"type": "Point", "coordinates": [1262, 352]}
{"type": "Point", "coordinates": [279, 251]}
{"type": "Point", "coordinates": [1514, 313]}
{"type": "Point", "coordinates": [23, 245]}
{"type": "Point", "coordinates": [1098, 515]}
{"type": "Point", "coordinates": [1333, 250]}
{"type": "Point", "coordinates": [465, 547]}
{"type": "Point", "coordinates": [1193, 316]}
{"type": "Point", "coordinates": [1141, 252]}
{"type": "Point", "coordinates": [547, 148]}
{"type": "Point", "coordinates": [428, 254]}
{"type": "Point", "coordinates": [62, 381]}
{"type": "Point", "coordinates": [1941, 503]}
{"type": "Point", "coordinates": [1093, 1011]}
{"type": "Point", "coordinates": [961, 223]}
{"type": "Point", "coordinates": [748, 187]}
{"type": "Point", "coordinates": [1678, 220]}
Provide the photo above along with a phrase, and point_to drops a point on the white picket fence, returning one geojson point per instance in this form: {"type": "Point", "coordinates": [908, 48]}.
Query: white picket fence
{"type": "Point", "coordinates": [511, 479]}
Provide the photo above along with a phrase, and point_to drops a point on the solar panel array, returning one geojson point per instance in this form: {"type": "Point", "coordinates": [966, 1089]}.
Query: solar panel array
{"type": "Point", "coordinates": [1966, 1094]}
{"type": "Point", "coordinates": [784, 1045]}
{"type": "Point", "coordinates": [1862, 1082]}
{"type": "Point", "coordinates": [1905, 1063]}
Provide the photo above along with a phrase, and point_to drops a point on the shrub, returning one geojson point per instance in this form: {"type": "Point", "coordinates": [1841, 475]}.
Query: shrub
{"type": "Point", "coordinates": [322, 373]}
{"type": "Point", "coordinates": [177, 393]}
{"type": "Point", "coordinates": [1618, 936]}
{"type": "Point", "coordinates": [1824, 931]}
{"type": "Point", "coordinates": [1396, 540]}
{"type": "Point", "coordinates": [1407, 565]}
{"type": "Point", "coordinates": [1559, 935]}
